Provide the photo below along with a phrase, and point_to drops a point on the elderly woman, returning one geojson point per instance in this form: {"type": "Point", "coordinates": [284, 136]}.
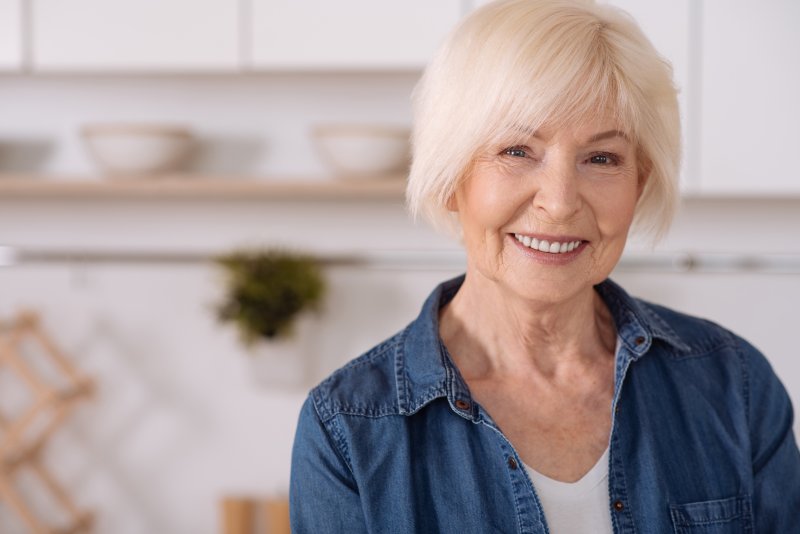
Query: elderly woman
{"type": "Point", "coordinates": [533, 394]}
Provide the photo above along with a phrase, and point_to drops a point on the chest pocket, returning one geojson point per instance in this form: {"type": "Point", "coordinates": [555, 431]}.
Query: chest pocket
{"type": "Point", "coordinates": [726, 516]}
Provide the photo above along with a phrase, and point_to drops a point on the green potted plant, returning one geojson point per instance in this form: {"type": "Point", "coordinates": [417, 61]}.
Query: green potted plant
{"type": "Point", "coordinates": [267, 290]}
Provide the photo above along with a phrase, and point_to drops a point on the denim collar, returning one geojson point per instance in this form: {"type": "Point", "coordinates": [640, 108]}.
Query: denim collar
{"type": "Point", "coordinates": [425, 371]}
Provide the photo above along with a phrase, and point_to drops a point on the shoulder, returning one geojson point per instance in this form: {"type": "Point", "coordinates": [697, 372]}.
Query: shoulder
{"type": "Point", "coordinates": [676, 333]}
{"type": "Point", "coordinates": [722, 363]}
{"type": "Point", "coordinates": [366, 386]}
{"type": "Point", "coordinates": [397, 376]}
{"type": "Point", "coordinates": [697, 334]}
{"type": "Point", "coordinates": [703, 338]}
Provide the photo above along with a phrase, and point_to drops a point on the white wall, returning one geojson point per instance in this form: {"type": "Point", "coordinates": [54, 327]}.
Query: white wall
{"type": "Point", "coordinates": [183, 414]}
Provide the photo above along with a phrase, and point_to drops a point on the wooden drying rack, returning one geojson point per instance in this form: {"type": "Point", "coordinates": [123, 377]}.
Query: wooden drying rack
{"type": "Point", "coordinates": [21, 442]}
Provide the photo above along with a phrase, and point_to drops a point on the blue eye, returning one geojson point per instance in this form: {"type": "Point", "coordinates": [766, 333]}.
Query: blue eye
{"type": "Point", "coordinates": [516, 151]}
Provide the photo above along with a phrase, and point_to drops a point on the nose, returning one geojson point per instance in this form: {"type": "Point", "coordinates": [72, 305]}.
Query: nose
{"type": "Point", "coordinates": [557, 197]}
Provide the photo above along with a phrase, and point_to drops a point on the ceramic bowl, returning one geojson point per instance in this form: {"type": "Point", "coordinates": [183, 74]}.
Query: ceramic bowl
{"type": "Point", "coordinates": [137, 149]}
{"type": "Point", "coordinates": [362, 151]}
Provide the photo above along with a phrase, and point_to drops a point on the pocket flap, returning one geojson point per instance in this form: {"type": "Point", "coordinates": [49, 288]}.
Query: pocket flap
{"type": "Point", "coordinates": [709, 512]}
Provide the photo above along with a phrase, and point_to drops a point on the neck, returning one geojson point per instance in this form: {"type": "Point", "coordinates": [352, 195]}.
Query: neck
{"type": "Point", "coordinates": [493, 332]}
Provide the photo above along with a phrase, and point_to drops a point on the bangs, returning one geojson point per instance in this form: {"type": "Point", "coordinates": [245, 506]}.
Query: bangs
{"type": "Point", "coordinates": [575, 83]}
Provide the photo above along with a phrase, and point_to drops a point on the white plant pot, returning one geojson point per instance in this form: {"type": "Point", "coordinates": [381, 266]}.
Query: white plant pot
{"type": "Point", "coordinates": [285, 363]}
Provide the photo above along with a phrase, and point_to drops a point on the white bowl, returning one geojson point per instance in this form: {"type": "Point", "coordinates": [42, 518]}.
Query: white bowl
{"type": "Point", "coordinates": [137, 149]}
{"type": "Point", "coordinates": [362, 151]}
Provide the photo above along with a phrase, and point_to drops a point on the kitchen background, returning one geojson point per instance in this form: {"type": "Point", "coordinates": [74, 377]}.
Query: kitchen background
{"type": "Point", "coordinates": [182, 414]}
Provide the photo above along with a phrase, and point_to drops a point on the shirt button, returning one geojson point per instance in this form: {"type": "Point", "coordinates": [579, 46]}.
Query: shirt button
{"type": "Point", "coordinates": [619, 506]}
{"type": "Point", "coordinates": [462, 404]}
{"type": "Point", "coordinates": [640, 341]}
{"type": "Point", "coordinates": [512, 463]}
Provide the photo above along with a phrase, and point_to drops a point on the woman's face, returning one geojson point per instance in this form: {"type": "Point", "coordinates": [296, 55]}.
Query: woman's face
{"type": "Point", "coordinates": [546, 215]}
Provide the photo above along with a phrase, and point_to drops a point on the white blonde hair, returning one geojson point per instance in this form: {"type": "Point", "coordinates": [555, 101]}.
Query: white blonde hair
{"type": "Point", "coordinates": [528, 63]}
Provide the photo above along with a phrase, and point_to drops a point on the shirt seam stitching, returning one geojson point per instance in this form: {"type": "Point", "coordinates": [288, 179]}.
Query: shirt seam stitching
{"type": "Point", "coordinates": [330, 427]}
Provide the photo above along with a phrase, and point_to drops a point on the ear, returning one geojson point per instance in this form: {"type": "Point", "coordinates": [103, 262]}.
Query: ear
{"type": "Point", "coordinates": [452, 202]}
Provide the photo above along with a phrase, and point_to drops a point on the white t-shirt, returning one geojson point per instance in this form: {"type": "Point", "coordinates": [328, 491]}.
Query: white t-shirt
{"type": "Point", "coordinates": [581, 507]}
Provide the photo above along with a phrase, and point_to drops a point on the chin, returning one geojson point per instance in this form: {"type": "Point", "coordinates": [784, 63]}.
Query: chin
{"type": "Point", "coordinates": [550, 286]}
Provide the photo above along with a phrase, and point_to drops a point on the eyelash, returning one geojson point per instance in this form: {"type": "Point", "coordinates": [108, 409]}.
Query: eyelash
{"type": "Point", "coordinates": [508, 151]}
{"type": "Point", "coordinates": [522, 152]}
{"type": "Point", "coordinates": [613, 159]}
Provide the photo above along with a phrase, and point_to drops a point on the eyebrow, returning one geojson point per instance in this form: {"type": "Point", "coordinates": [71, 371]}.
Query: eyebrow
{"type": "Point", "coordinates": [607, 135]}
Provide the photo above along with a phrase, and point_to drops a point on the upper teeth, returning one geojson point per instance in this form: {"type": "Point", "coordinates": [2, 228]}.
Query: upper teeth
{"type": "Point", "coordinates": [553, 247]}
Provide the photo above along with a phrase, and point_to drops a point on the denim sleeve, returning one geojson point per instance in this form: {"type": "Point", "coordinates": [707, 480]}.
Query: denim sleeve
{"type": "Point", "coordinates": [776, 460]}
{"type": "Point", "coordinates": [323, 496]}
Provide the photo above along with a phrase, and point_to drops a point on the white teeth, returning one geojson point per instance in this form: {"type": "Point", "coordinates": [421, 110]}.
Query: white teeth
{"type": "Point", "coordinates": [546, 246]}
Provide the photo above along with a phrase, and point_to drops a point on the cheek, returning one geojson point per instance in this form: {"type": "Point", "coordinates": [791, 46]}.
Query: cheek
{"type": "Point", "coordinates": [615, 209]}
{"type": "Point", "coordinates": [488, 202]}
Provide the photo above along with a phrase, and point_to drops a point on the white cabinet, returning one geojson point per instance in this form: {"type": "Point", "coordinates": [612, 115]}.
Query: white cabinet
{"type": "Point", "coordinates": [135, 35]}
{"type": "Point", "coordinates": [348, 34]}
{"type": "Point", "coordinates": [11, 35]}
{"type": "Point", "coordinates": [227, 35]}
{"type": "Point", "coordinates": [751, 87]}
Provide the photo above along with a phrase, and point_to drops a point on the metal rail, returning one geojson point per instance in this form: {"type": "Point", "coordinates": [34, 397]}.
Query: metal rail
{"type": "Point", "coordinates": [684, 262]}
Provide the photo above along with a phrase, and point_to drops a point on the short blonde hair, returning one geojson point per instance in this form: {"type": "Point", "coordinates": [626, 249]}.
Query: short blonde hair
{"type": "Point", "coordinates": [528, 63]}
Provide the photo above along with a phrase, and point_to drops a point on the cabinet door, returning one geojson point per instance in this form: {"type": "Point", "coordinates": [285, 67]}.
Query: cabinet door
{"type": "Point", "coordinates": [135, 35]}
{"type": "Point", "coordinates": [751, 86]}
{"type": "Point", "coordinates": [348, 34]}
{"type": "Point", "coordinates": [10, 34]}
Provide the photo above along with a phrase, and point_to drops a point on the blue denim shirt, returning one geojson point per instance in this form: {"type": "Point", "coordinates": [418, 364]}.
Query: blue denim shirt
{"type": "Point", "coordinates": [701, 439]}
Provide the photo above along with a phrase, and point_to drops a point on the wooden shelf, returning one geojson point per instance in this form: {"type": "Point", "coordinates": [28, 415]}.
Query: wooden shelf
{"type": "Point", "coordinates": [188, 186]}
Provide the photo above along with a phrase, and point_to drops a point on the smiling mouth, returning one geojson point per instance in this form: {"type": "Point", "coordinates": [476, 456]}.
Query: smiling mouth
{"type": "Point", "coordinates": [551, 247]}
